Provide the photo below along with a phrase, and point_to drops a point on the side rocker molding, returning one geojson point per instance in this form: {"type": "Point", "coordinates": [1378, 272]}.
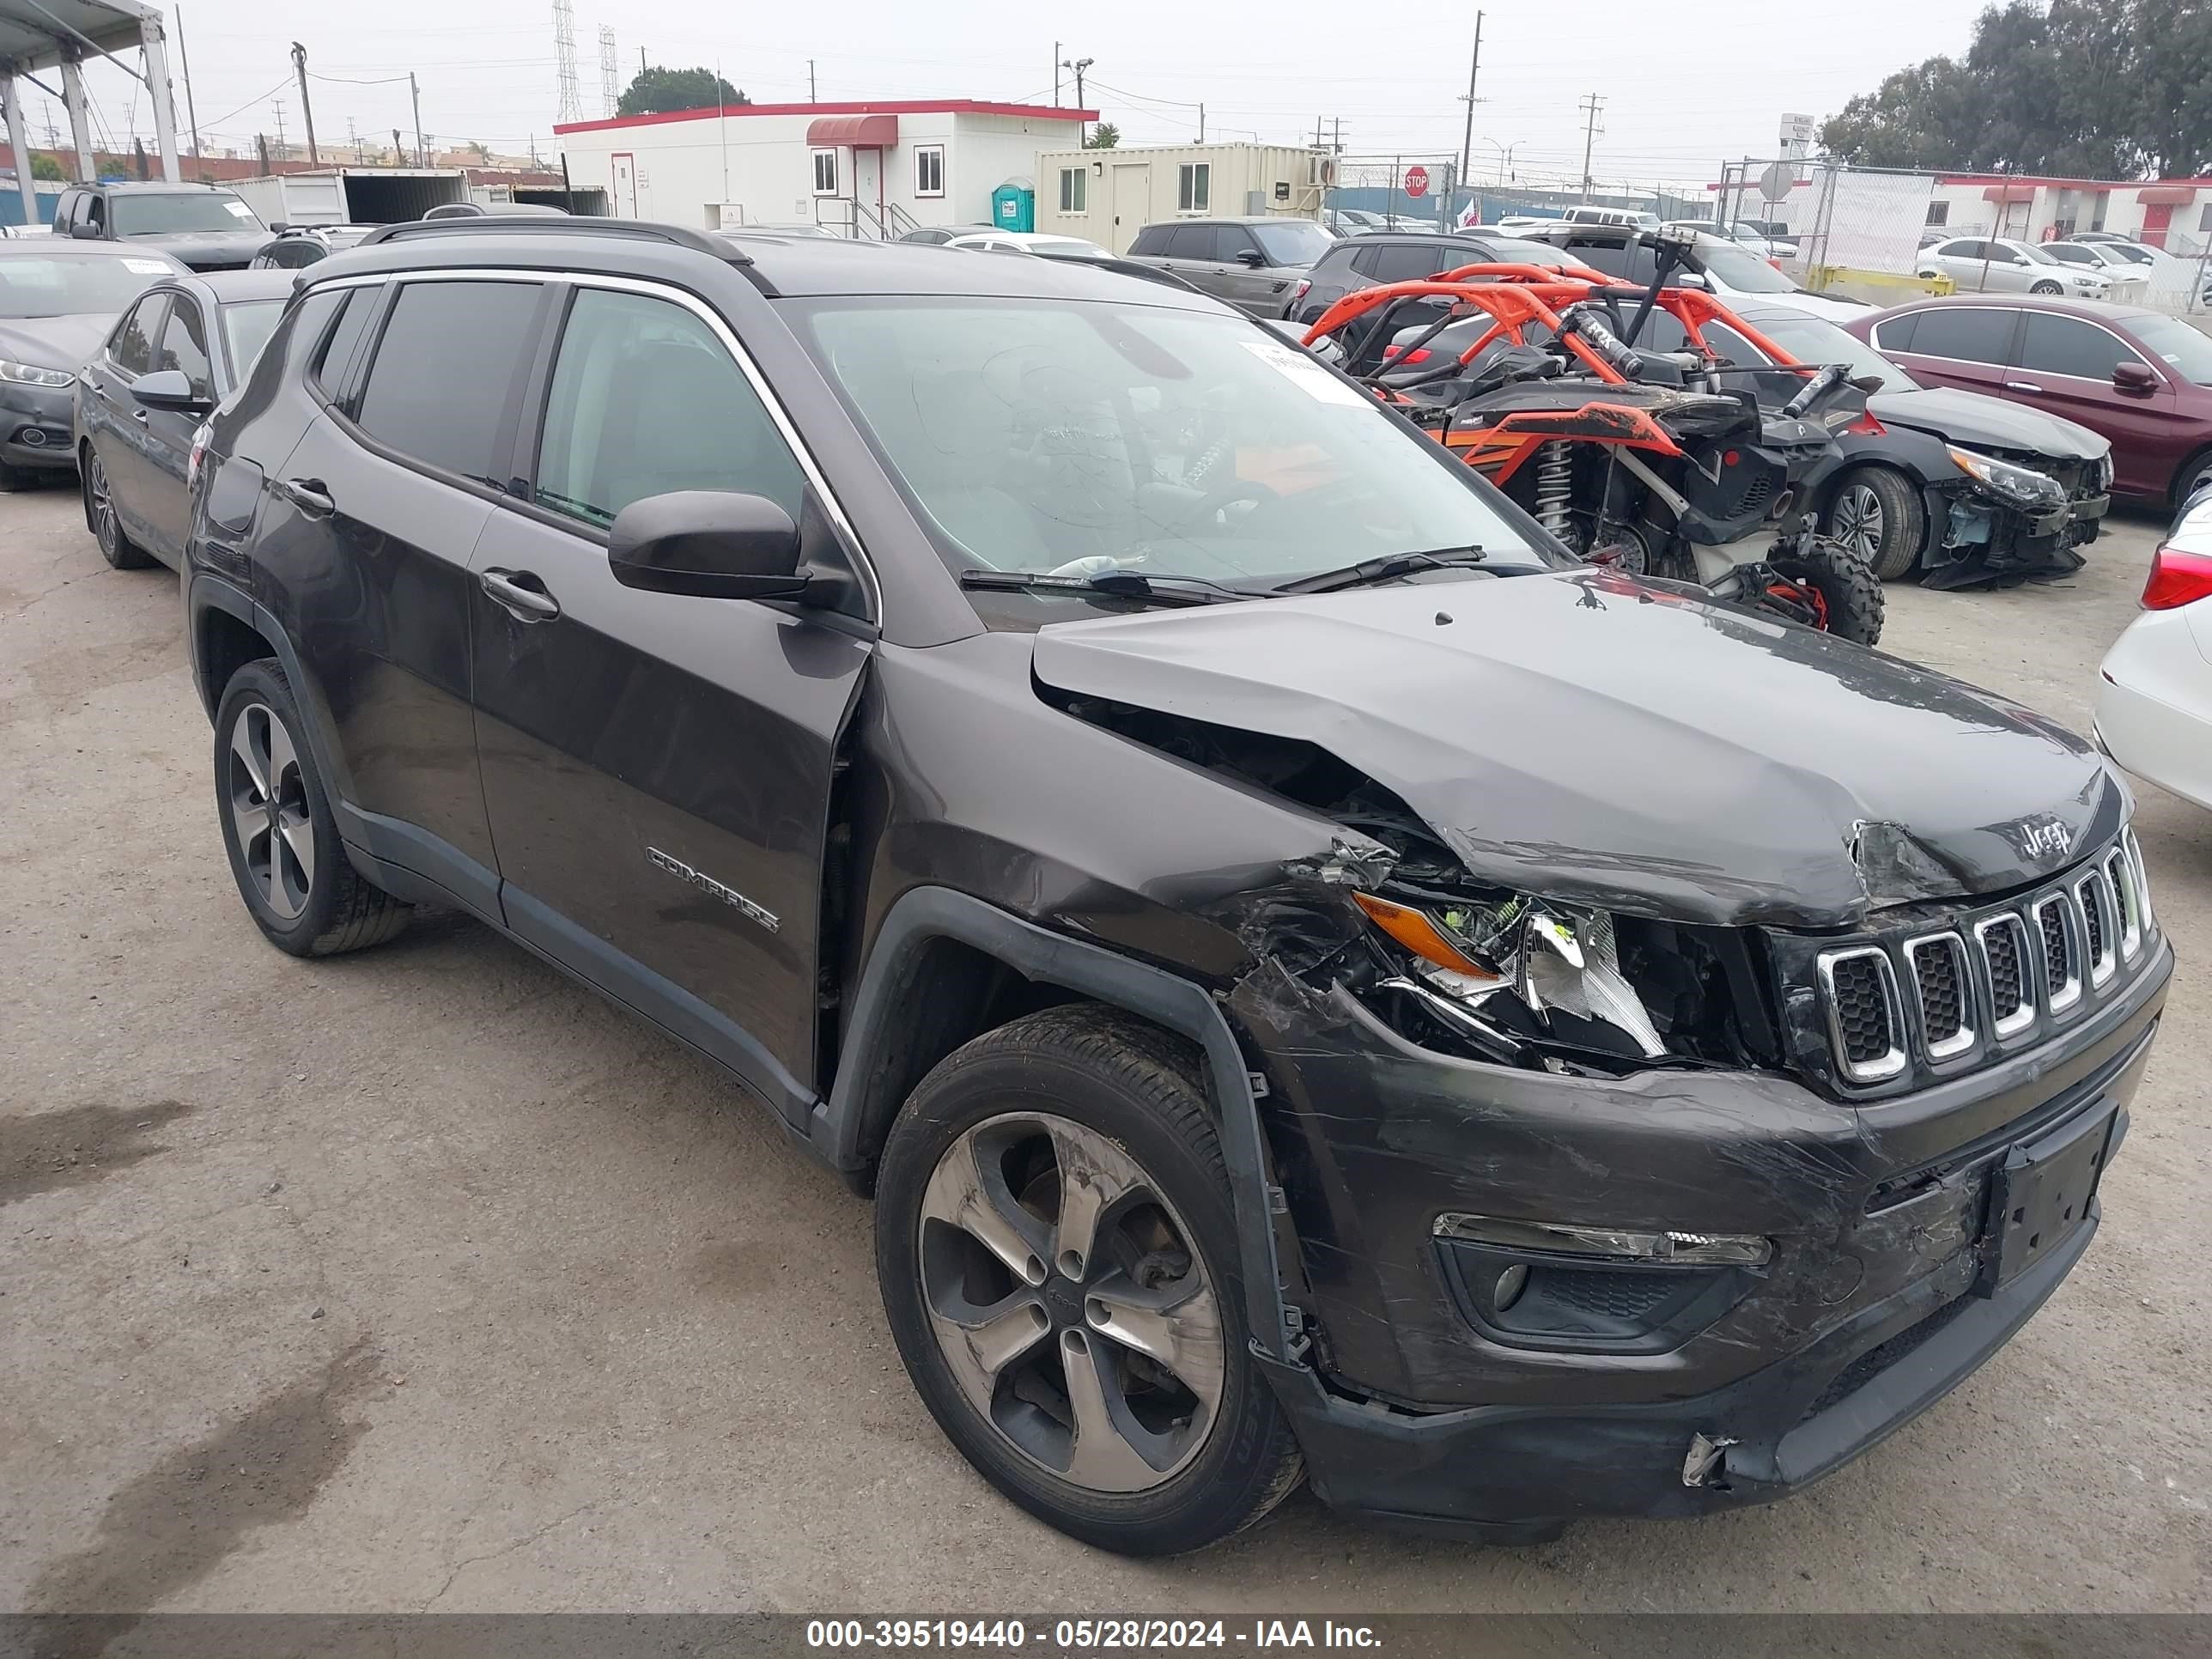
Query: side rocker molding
{"type": "Point", "coordinates": [839, 1125]}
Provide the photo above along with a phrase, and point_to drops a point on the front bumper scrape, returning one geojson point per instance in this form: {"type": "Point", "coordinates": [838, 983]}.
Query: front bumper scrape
{"type": "Point", "coordinates": [1517, 1474]}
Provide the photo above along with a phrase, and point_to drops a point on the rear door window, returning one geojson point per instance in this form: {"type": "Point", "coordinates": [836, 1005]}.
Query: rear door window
{"type": "Point", "coordinates": [1968, 334]}
{"type": "Point", "coordinates": [1407, 262]}
{"type": "Point", "coordinates": [445, 373]}
{"type": "Point", "coordinates": [1192, 242]}
{"type": "Point", "coordinates": [2052, 344]}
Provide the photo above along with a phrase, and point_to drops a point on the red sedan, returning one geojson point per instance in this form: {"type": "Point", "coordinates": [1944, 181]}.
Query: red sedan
{"type": "Point", "coordinates": [2142, 379]}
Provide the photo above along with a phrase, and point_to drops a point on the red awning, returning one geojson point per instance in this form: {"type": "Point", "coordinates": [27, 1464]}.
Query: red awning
{"type": "Point", "coordinates": [2009, 193]}
{"type": "Point", "coordinates": [2166, 195]}
{"type": "Point", "coordinates": [861, 131]}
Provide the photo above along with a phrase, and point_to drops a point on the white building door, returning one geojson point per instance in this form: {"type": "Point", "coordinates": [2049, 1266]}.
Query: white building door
{"type": "Point", "coordinates": [625, 202]}
{"type": "Point", "coordinates": [868, 191]}
{"type": "Point", "coordinates": [1133, 202]}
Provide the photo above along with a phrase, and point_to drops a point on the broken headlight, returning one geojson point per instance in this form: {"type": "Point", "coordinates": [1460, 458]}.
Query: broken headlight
{"type": "Point", "coordinates": [1520, 969]}
{"type": "Point", "coordinates": [2023, 486]}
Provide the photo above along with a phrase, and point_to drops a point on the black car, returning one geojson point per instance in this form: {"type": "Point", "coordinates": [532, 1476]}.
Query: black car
{"type": "Point", "coordinates": [203, 225]}
{"type": "Point", "coordinates": [1964, 488]}
{"type": "Point", "coordinates": [295, 246]}
{"type": "Point", "coordinates": [56, 301]}
{"type": "Point", "coordinates": [1376, 257]}
{"type": "Point", "coordinates": [1017, 720]}
{"type": "Point", "coordinates": [141, 398]}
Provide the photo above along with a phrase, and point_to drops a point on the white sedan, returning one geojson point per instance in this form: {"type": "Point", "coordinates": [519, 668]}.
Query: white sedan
{"type": "Point", "coordinates": [1030, 241]}
{"type": "Point", "coordinates": [2154, 706]}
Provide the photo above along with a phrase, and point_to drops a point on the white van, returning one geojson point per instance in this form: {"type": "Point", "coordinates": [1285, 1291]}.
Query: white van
{"type": "Point", "coordinates": [1603, 216]}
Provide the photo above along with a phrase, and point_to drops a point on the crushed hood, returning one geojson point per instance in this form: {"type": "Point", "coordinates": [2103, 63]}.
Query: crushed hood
{"type": "Point", "coordinates": [1587, 737]}
{"type": "Point", "coordinates": [1979, 422]}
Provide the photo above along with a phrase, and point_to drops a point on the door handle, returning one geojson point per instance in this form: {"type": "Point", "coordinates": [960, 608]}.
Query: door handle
{"type": "Point", "coordinates": [2021, 385]}
{"type": "Point", "coordinates": [530, 605]}
{"type": "Point", "coordinates": [139, 415]}
{"type": "Point", "coordinates": [310, 496]}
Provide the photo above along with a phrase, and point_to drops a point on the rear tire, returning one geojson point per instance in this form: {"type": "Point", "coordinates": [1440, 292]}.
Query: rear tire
{"type": "Point", "coordinates": [2194, 474]}
{"type": "Point", "coordinates": [1851, 598]}
{"type": "Point", "coordinates": [1052, 1207]}
{"type": "Point", "coordinates": [1879, 517]}
{"type": "Point", "coordinates": [291, 868]}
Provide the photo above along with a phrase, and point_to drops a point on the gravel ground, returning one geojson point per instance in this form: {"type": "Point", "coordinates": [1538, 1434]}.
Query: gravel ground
{"type": "Point", "coordinates": [422, 1279]}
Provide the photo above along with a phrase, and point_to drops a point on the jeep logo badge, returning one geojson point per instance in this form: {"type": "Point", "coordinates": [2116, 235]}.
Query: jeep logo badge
{"type": "Point", "coordinates": [2045, 838]}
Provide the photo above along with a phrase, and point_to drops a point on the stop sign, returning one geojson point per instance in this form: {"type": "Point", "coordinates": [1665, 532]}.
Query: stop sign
{"type": "Point", "coordinates": [1417, 181]}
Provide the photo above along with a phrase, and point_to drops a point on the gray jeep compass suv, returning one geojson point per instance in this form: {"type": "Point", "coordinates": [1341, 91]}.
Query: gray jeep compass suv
{"type": "Point", "coordinates": [1314, 982]}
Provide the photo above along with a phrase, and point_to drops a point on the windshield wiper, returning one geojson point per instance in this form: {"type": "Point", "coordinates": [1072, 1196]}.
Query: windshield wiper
{"type": "Point", "coordinates": [1111, 584]}
{"type": "Point", "coordinates": [1367, 572]}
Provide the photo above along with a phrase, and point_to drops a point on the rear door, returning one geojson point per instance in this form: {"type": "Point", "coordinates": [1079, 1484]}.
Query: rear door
{"type": "Point", "coordinates": [658, 767]}
{"type": "Point", "coordinates": [185, 344]}
{"type": "Point", "coordinates": [1962, 344]}
{"type": "Point", "coordinates": [2064, 365]}
{"type": "Point", "coordinates": [365, 547]}
{"type": "Point", "coordinates": [1195, 254]}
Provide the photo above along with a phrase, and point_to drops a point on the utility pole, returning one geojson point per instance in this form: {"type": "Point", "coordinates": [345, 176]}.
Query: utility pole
{"type": "Point", "coordinates": [306, 110]}
{"type": "Point", "coordinates": [1055, 75]}
{"type": "Point", "coordinates": [1078, 66]}
{"type": "Point", "coordinates": [1590, 105]}
{"type": "Point", "coordinates": [1201, 124]}
{"type": "Point", "coordinates": [1467, 133]}
{"type": "Point", "coordinates": [184, 62]}
{"type": "Point", "coordinates": [414, 95]}
{"type": "Point", "coordinates": [812, 97]}
{"type": "Point", "coordinates": [1338, 129]}
{"type": "Point", "coordinates": [283, 151]}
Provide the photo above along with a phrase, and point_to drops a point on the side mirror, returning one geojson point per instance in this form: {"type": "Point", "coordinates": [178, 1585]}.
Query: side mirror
{"type": "Point", "coordinates": [278, 227]}
{"type": "Point", "coordinates": [1689, 279]}
{"type": "Point", "coordinates": [707, 543]}
{"type": "Point", "coordinates": [167, 388]}
{"type": "Point", "coordinates": [2134, 377]}
{"type": "Point", "coordinates": [1253, 257]}
{"type": "Point", "coordinates": [85, 230]}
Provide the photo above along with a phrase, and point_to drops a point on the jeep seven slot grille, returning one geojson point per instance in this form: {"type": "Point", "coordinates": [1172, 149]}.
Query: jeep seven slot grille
{"type": "Point", "coordinates": [1945, 998]}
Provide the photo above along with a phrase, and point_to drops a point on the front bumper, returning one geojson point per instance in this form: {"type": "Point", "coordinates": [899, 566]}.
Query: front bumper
{"type": "Point", "coordinates": [1979, 538]}
{"type": "Point", "coordinates": [1880, 1296]}
{"type": "Point", "coordinates": [37, 425]}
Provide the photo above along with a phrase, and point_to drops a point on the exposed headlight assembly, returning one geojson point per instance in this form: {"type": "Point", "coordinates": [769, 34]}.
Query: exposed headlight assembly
{"type": "Point", "coordinates": [2020, 484]}
{"type": "Point", "coordinates": [1522, 966]}
{"type": "Point", "coordinates": [30, 374]}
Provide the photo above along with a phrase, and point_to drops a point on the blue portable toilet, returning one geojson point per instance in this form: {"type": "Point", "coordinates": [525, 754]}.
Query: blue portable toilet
{"type": "Point", "coordinates": [1013, 207]}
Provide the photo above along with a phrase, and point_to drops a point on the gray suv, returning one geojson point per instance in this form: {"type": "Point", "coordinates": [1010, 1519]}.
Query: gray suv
{"type": "Point", "coordinates": [1251, 263]}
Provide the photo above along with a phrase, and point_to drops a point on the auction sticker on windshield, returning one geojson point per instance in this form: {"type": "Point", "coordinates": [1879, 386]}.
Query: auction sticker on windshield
{"type": "Point", "coordinates": [146, 267]}
{"type": "Point", "coordinates": [239, 209]}
{"type": "Point", "coordinates": [1309, 376]}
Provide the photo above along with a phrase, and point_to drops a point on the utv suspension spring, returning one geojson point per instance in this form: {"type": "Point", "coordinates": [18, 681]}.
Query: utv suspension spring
{"type": "Point", "coordinates": [1555, 469]}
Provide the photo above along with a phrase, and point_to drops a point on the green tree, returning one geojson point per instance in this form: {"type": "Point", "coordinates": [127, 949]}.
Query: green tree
{"type": "Point", "coordinates": [1104, 136]}
{"type": "Point", "coordinates": [656, 90]}
{"type": "Point", "coordinates": [45, 166]}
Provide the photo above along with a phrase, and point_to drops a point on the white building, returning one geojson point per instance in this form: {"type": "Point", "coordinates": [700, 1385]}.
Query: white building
{"type": "Point", "coordinates": [1107, 196]}
{"type": "Point", "coordinates": [873, 169]}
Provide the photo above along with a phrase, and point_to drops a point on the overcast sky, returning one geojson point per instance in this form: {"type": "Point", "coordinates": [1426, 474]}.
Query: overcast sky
{"type": "Point", "coordinates": [1683, 85]}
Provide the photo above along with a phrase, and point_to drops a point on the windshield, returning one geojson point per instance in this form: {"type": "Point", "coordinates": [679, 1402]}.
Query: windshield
{"type": "Point", "coordinates": [194, 209]}
{"type": "Point", "coordinates": [1032, 433]}
{"type": "Point", "coordinates": [2177, 344]}
{"type": "Point", "coordinates": [1292, 241]}
{"type": "Point", "coordinates": [245, 326]}
{"type": "Point", "coordinates": [1813, 340]}
{"type": "Point", "coordinates": [2035, 255]}
{"type": "Point", "coordinates": [74, 284]}
{"type": "Point", "coordinates": [1741, 272]}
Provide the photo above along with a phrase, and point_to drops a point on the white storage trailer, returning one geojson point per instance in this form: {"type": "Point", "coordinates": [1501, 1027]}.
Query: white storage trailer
{"type": "Point", "coordinates": [352, 196]}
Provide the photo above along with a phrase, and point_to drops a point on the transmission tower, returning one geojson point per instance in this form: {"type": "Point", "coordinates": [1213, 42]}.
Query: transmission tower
{"type": "Point", "coordinates": [571, 102]}
{"type": "Point", "coordinates": [609, 76]}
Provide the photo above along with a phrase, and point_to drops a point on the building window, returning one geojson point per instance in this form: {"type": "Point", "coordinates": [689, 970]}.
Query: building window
{"type": "Point", "coordinates": [2204, 219]}
{"type": "Point", "coordinates": [929, 170]}
{"type": "Point", "coordinates": [825, 173]}
{"type": "Point", "coordinates": [1194, 186]}
{"type": "Point", "coordinates": [2097, 213]}
{"type": "Point", "coordinates": [1072, 183]}
{"type": "Point", "coordinates": [1939, 213]}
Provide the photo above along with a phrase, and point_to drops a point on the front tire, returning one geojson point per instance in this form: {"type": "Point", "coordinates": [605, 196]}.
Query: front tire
{"type": "Point", "coordinates": [2046, 288]}
{"type": "Point", "coordinates": [1849, 601]}
{"type": "Point", "coordinates": [100, 517]}
{"type": "Point", "coordinates": [1058, 1258]}
{"type": "Point", "coordinates": [1879, 517]}
{"type": "Point", "coordinates": [292, 870]}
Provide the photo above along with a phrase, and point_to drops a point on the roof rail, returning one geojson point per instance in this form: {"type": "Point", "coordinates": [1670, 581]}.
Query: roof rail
{"type": "Point", "coordinates": [500, 224]}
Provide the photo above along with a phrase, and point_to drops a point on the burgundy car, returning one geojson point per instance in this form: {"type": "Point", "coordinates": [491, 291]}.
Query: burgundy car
{"type": "Point", "coordinates": [2140, 378]}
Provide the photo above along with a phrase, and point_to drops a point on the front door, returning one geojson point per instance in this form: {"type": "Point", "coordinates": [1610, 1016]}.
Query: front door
{"type": "Point", "coordinates": [2064, 366]}
{"type": "Point", "coordinates": [1132, 203]}
{"type": "Point", "coordinates": [115, 421]}
{"type": "Point", "coordinates": [2158, 220]}
{"type": "Point", "coordinates": [625, 182]}
{"type": "Point", "coordinates": [868, 188]}
{"type": "Point", "coordinates": [658, 767]}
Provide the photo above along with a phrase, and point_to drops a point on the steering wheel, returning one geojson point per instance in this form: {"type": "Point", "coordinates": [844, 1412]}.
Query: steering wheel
{"type": "Point", "coordinates": [1238, 490]}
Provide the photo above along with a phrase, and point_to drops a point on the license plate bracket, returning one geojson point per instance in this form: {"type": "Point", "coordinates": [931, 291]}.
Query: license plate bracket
{"type": "Point", "coordinates": [2039, 1193]}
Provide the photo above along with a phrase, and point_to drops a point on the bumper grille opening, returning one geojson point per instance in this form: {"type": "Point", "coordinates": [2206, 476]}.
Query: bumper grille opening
{"type": "Point", "coordinates": [2001, 944]}
{"type": "Point", "coordinates": [1939, 976]}
{"type": "Point", "coordinates": [1864, 1017]}
{"type": "Point", "coordinates": [1880, 1357]}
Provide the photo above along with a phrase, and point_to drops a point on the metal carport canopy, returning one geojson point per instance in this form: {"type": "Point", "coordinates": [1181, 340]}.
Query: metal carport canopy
{"type": "Point", "coordinates": [44, 34]}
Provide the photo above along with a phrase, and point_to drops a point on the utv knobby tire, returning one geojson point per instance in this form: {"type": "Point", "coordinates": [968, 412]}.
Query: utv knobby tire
{"type": "Point", "coordinates": [1854, 599]}
{"type": "Point", "coordinates": [1139, 1087]}
{"type": "Point", "coordinates": [343, 910]}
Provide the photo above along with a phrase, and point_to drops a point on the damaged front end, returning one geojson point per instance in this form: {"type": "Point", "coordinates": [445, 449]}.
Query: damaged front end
{"type": "Point", "coordinates": [2007, 517]}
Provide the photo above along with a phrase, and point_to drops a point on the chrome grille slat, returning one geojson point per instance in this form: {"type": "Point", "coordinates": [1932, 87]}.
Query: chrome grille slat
{"type": "Point", "coordinates": [2127, 901]}
{"type": "Point", "coordinates": [2101, 927]}
{"type": "Point", "coordinates": [1944, 988]}
{"type": "Point", "coordinates": [2057, 931]}
{"type": "Point", "coordinates": [1866, 1022]}
{"type": "Point", "coordinates": [2007, 971]}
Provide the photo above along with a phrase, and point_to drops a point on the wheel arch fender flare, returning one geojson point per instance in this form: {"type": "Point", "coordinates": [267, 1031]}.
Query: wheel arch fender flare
{"type": "Point", "coordinates": [858, 1107]}
{"type": "Point", "coordinates": [207, 594]}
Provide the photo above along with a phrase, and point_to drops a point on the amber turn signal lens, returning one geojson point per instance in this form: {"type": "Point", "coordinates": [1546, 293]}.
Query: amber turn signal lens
{"type": "Point", "coordinates": [1418, 934]}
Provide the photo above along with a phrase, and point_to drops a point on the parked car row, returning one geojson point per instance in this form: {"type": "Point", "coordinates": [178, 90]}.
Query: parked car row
{"type": "Point", "coordinates": [1013, 719]}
